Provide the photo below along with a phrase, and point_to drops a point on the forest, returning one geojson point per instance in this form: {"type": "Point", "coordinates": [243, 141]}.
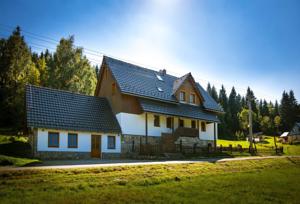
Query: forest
{"type": "Point", "coordinates": [67, 68]}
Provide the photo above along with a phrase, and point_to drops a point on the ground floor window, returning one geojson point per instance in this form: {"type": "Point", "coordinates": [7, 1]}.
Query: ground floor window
{"type": "Point", "coordinates": [193, 124]}
{"type": "Point", "coordinates": [72, 140]}
{"type": "Point", "coordinates": [169, 122]}
{"type": "Point", "coordinates": [203, 126]}
{"type": "Point", "coordinates": [53, 139]}
{"type": "Point", "coordinates": [156, 121]}
{"type": "Point", "coordinates": [181, 123]}
{"type": "Point", "coordinates": [111, 142]}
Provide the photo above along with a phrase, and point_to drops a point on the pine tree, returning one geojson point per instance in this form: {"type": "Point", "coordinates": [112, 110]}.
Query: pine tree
{"type": "Point", "coordinates": [214, 94]}
{"type": "Point", "coordinates": [16, 70]}
{"type": "Point", "coordinates": [208, 89]}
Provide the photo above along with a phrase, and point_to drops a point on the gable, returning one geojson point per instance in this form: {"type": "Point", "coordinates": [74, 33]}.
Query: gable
{"type": "Point", "coordinates": [189, 89]}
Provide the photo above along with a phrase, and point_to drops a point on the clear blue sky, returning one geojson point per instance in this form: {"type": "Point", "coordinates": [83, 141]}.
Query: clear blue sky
{"type": "Point", "coordinates": [236, 43]}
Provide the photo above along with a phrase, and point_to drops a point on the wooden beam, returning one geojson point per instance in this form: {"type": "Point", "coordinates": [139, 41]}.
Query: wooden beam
{"type": "Point", "coordinates": [146, 127]}
{"type": "Point", "coordinates": [215, 137]}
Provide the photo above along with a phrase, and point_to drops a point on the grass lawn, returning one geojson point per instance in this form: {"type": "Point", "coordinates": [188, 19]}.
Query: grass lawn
{"type": "Point", "coordinates": [266, 144]}
{"type": "Point", "coordinates": [7, 160]}
{"type": "Point", "coordinates": [252, 181]}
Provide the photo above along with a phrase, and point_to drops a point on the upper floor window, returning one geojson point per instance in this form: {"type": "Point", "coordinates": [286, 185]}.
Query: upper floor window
{"type": "Point", "coordinates": [181, 123]}
{"type": "Point", "coordinates": [156, 121]}
{"type": "Point", "coordinates": [193, 124]}
{"type": "Point", "coordinates": [111, 142]}
{"type": "Point", "coordinates": [53, 139]}
{"type": "Point", "coordinates": [182, 96]}
{"type": "Point", "coordinates": [169, 122]}
{"type": "Point", "coordinates": [203, 126]}
{"type": "Point", "coordinates": [72, 140]}
{"type": "Point", "coordinates": [113, 88]}
{"type": "Point", "coordinates": [192, 98]}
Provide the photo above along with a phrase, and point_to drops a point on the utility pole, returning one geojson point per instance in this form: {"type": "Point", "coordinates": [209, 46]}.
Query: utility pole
{"type": "Point", "coordinates": [250, 126]}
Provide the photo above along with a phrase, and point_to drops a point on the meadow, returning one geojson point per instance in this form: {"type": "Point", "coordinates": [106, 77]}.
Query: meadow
{"type": "Point", "coordinates": [251, 181]}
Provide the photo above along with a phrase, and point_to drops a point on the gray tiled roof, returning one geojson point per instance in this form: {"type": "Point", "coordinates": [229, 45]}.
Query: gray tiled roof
{"type": "Point", "coordinates": [56, 109]}
{"type": "Point", "coordinates": [143, 82]}
{"type": "Point", "coordinates": [183, 110]}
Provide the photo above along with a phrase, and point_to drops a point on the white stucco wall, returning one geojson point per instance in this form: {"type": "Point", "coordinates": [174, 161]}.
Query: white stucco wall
{"type": "Point", "coordinates": [84, 141]}
{"type": "Point", "coordinates": [209, 133]}
{"type": "Point", "coordinates": [133, 124]}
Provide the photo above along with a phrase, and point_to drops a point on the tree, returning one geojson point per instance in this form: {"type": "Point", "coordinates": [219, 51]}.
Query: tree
{"type": "Point", "coordinates": [288, 110]}
{"type": "Point", "coordinates": [16, 70]}
{"type": "Point", "coordinates": [208, 89]}
{"type": "Point", "coordinates": [266, 124]}
{"type": "Point", "coordinates": [234, 109]}
{"type": "Point", "coordinates": [277, 123]}
{"type": "Point", "coordinates": [244, 119]}
{"type": "Point", "coordinates": [70, 69]}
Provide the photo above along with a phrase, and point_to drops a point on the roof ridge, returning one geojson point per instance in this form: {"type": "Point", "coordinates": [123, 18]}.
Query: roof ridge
{"type": "Point", "coordinates": [60, 90]}
{"type": "Point", "coordinates": [139, 66]}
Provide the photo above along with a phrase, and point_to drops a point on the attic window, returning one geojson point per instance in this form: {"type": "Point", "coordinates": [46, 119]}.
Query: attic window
{"type": "Point", "coordinates": [159, 77]}
{"type": "Point", "coordinates": [160, 89]}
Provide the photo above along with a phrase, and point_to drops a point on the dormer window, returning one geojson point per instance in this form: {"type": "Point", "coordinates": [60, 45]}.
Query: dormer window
{"type": "Point", "coordinates": [159, 77]}
{"type": "Point", "coordinates": [182, 96]}
{"type": "Point", "coordinates": [192, 98]}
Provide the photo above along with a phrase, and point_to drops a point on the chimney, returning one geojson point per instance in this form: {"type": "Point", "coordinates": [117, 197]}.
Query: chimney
{"type": "Point", "coordinates": [163, 72]}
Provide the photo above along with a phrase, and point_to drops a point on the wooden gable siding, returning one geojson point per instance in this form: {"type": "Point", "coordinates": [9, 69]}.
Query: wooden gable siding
{"type": "Point", "coordinates": [189, 89]}
{"type": "Point", "coordinates": [119, 102]}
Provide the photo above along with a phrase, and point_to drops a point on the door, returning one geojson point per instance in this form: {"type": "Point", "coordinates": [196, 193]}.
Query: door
{"type": "Point", "coordinates": [96, 146]}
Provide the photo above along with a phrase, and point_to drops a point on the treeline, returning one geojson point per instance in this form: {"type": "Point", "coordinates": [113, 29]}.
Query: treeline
{"type": "Point", "coordinates": [66, 68]}
{"type": "Point", "coordinates": [268, 118]}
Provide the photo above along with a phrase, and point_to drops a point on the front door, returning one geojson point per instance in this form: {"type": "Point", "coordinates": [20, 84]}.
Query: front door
{"type": "Point", "coordinates": [96, 146]}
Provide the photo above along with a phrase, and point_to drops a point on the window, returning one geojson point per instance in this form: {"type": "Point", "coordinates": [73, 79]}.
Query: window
{"type": "Point", "coordinates": [72, 140]}
{"type": "Point", "coordinates": [113, 88]}
{"type": "Point", "coordinates": [192, 98]}
{"type": "Point", "coordinates": [169, 122]}
{"type": "Point", "coordinates": [156, 121]}
{"type": "Point", "coordinates": [181, 123]}
{"type": "Point", "coordinates": [53, 139]}
{"type": "Point", "coordinates": [193, 124]}
{"type": "Point", "coordinates": [182, 96]}
{"type": "Point", "coordinates": [111, 142]}
{"type": "Point", "coordinates": [203, 126]}
{"type": "Point", "coordinates": [159, 77]}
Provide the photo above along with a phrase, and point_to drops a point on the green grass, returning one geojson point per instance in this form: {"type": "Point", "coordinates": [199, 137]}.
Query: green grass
{"type": "Point", "coordinates": [251, 181]}
{"type": "Point", "coordinates": [13, 161]}
{"type": "Point", "coordinates": [268, 143]}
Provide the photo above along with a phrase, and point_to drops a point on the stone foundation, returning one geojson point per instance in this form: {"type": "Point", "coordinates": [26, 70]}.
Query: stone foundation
{"type": "Point", "coordinates": [111, 155]}
{"type": "Point", "coordinates": [62, 155]}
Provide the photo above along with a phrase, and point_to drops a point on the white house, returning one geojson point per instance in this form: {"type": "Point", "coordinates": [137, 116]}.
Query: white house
{"type": "Point", "coordinates": [132, 105]}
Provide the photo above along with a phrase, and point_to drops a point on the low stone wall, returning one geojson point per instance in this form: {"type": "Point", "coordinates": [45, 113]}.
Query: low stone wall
{"type": "Point", "coordinates": [131, 143]}
{"type": "Point", "coordinates": [106, 155]}
{"type": "Point", "coordinates": [62, 155]}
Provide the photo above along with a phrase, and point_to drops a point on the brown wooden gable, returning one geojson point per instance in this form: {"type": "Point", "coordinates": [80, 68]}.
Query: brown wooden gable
{"type": "Point", "coordinates": [187, 85]}
{"type": "Point", "coordinates": [107, 86]}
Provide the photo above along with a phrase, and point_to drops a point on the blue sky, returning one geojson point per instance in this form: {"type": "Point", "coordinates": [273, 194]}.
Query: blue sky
{"type": "Point", "coordinates": [236, 43]}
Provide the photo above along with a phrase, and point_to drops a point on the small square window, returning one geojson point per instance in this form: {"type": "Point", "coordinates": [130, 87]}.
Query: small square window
{"type": "Point", "coordinates": [193, 124]}
{"type": "Point", "coordinates": [182, 96]}
{"type": "Point", "coordinates": [111, 142]}
{"type": "Point", "coordinates": [181, 123]}
{"type": "Point", "coordinates": [156, 121]}
{"type": "Point", "coordinates": [192, 99]}
{"type": "Point", "coordinates": [53, 139]}
{"type": "Point", "coordinates": [203, 126]}
{"type": "Point", "coordinates": [72, 140]}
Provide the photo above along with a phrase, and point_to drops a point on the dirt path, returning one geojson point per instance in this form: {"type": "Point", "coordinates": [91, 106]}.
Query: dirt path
{"type": "Point", "coordinates": [68, 164]}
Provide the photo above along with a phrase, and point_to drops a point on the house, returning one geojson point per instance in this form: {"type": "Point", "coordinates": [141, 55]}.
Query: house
{"type": "Point", "coordinates": [293, 136]}
{"type": "Point", "coordinates": [132, 105]}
